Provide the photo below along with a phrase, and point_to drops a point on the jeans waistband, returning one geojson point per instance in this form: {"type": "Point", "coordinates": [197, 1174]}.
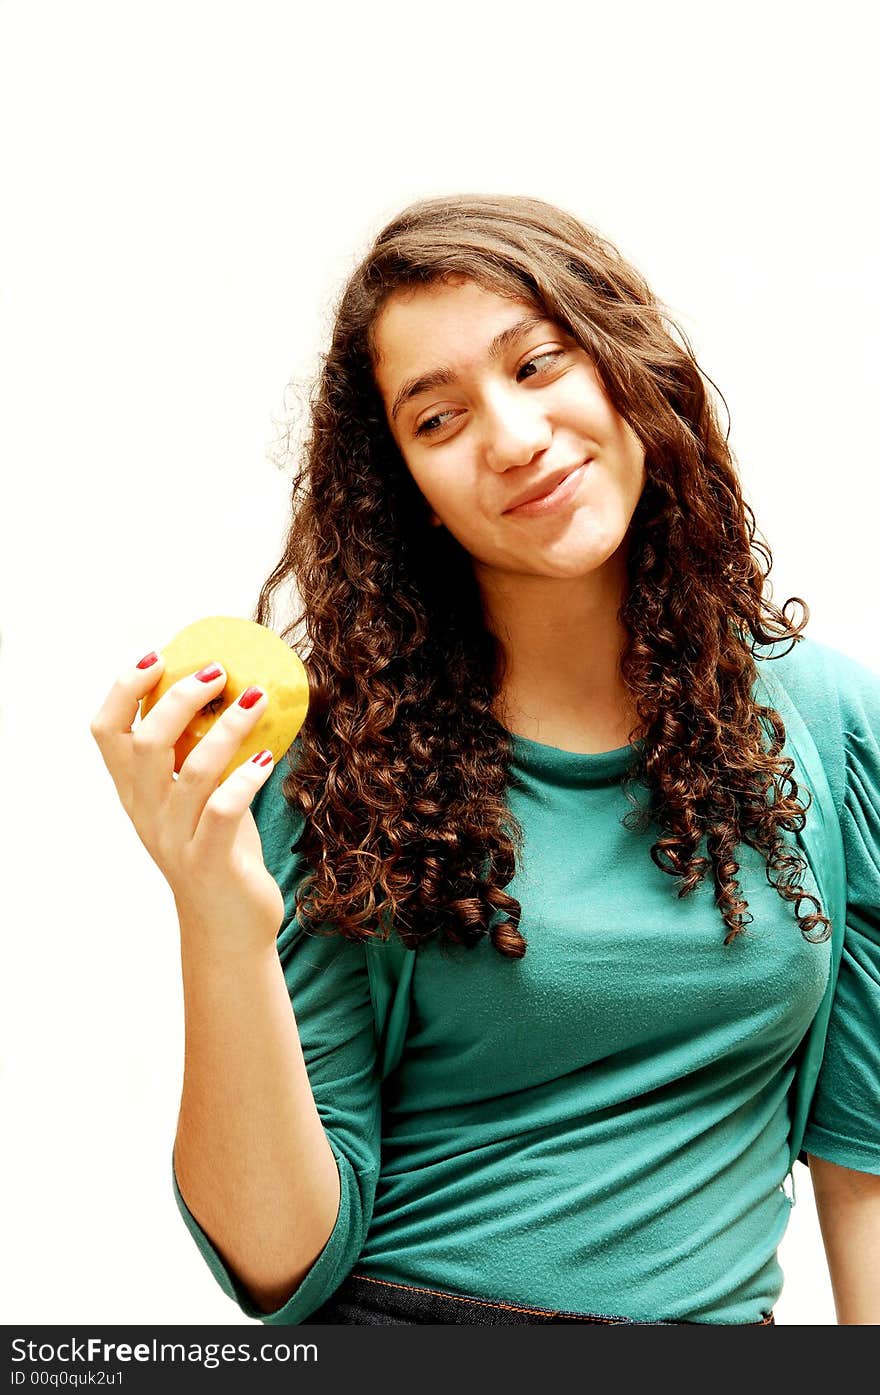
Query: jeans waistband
{"type": "Point", "coordinates": [361, 1299]}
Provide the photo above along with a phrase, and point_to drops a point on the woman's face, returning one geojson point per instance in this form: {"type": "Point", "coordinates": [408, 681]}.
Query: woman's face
{"type": "Point", "coordinates": [491, 403]}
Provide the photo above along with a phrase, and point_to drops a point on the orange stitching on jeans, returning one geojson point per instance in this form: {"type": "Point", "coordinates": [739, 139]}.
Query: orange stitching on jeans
{"type": "Point", "coordinates": [483, 1302]}
{"type": "Point", "coordinates": [512, 1308]}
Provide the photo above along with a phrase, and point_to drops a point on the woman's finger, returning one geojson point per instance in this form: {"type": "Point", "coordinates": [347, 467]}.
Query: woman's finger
{"type": "Point", "coordinates": [202, 771]}
{"type": "Point", "coordinates": [154, 738]}
{"type": "Point", "coordinates": [221, 818]}
{"type": "Point", "coordinates": [112, 724]}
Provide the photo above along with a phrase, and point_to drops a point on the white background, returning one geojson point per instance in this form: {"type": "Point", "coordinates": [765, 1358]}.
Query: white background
{"type": "Point", "coordinates": [184, 188]}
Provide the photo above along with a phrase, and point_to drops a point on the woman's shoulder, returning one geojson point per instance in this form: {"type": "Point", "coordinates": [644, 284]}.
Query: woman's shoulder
{"type": "Point", "coordinates": [838, 696]}
{"type": "Point", "coordinates": [814, 672]}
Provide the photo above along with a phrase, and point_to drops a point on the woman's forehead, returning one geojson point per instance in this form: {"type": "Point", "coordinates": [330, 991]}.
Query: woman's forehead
{"type": "Point", "coordinates": [411, 316]}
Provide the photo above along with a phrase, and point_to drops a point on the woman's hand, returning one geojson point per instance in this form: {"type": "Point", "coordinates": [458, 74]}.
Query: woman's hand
{"type": "Point", "coordinates": [198, 830]}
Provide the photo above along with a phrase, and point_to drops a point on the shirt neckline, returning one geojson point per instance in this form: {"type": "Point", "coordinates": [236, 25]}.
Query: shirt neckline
{"type": "Point", "coordinates": [572, 766]}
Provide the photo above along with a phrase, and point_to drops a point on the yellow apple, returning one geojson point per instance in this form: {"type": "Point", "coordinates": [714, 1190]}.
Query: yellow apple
{"type": "Point", "coordinates": [251, 655]}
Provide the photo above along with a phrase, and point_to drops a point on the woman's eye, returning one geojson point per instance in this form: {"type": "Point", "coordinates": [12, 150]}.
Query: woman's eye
{"type": "Point", "coordinates": [538, 358]}
{"type": "Point", "coordinates": [426, 428]}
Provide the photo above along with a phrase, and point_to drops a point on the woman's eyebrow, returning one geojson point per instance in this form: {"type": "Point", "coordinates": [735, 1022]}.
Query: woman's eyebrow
{"type": "Point", "coordinates": [442, 377]}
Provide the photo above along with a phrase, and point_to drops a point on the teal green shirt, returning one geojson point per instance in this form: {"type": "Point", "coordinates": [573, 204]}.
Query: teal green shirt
{"type": "Point", "coordinates": [601, 1126]}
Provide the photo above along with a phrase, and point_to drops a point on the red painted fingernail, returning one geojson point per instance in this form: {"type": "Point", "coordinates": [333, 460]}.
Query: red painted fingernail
{"type": "Point", "coordinates": [250, 696]}
{"type": "Point", "coordinates": [148, 659]}
{"type": "Point", "coordinates": [263, 759]}
{"type": "Point", "coordinates": [207, 675]}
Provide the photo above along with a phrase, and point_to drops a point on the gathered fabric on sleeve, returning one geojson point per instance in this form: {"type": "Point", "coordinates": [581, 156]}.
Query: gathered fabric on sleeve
{"type": "Point", "coordinates": [328, 983]}
{"type": "Point", "coordinates": [844, 1122]}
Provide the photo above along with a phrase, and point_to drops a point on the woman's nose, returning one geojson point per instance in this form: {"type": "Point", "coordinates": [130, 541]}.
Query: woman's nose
{"type": "Point", "coordinates": [515, 432]}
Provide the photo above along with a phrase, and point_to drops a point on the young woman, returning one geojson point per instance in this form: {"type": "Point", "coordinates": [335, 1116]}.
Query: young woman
{"type": "Point", "coordinates": [536, 757]}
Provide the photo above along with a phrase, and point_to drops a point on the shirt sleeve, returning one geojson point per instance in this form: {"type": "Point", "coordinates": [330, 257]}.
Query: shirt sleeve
{"type": "Point", "coordinates": [844, 1122]}
{"type": "Point", "coordinates": [328, 982]}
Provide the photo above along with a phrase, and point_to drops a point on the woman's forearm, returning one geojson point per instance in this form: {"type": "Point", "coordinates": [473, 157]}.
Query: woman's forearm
{"type": "Point", "coordinates": [848, 1207]}
{"type": "Point", "coordinates": [251, 1157]}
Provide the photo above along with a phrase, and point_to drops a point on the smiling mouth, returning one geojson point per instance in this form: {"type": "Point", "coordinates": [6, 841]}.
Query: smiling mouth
{"type": "Point", "coordinates": [558, 495]}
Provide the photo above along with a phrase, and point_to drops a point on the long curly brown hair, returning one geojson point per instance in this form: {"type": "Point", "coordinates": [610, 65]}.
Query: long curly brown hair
{"type": "Point", "coordinates": [402, 768]}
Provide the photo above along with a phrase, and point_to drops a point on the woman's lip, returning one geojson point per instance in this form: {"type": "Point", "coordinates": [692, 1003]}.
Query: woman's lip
{"type": "Point", "coordinates": [555, 499]}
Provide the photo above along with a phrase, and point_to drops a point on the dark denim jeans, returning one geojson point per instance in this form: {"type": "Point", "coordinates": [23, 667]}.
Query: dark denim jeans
{"type": "Point", "coordinates": [377, 1303]}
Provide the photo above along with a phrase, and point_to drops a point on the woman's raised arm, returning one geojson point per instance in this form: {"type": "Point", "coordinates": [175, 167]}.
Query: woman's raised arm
{"type": "Point", "coordinates": [252, 1160]}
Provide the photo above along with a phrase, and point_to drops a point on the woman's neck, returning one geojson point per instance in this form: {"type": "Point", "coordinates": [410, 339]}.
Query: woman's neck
{"type": "Point", "coordinates": [562, 641]}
